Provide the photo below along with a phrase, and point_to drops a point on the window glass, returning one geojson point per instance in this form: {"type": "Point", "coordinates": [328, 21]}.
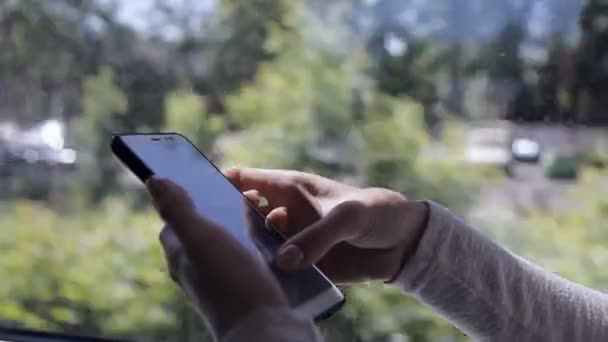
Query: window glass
{"type": "Point", "coordinates": [496, 109]}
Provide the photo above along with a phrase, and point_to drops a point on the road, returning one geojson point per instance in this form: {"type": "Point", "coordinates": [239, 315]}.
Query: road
{"type": "Point", "coordinates": [504, 200]}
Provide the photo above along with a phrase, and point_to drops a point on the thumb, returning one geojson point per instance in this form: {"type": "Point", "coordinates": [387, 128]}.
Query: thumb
{"type": "Point", "coordinates": [177, 210]}
{"type": "Point", "coordinates": [311, 244]}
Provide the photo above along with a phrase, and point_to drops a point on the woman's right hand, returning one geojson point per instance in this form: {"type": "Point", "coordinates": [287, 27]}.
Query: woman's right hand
{"type": "Point", "coordinates": [352, 234]}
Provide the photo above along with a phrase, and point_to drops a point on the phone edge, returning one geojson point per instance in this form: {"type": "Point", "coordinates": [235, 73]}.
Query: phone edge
{"type": "Point", "coordinates": [329, 313]}
{"type": "Point", "coordinates": [130, 159]}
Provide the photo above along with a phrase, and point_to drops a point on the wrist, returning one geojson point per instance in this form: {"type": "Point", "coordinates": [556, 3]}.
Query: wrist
{"type": "Point", "coordinates": [412, 222]}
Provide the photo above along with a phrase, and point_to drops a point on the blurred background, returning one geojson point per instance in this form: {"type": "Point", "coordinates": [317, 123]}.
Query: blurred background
{"type": "Point", "coordinates": [496, 109]}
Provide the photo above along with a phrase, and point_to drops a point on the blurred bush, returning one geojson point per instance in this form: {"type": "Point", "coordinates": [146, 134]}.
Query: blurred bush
{"type": "Point", "coordinates": [570, 242]}
{"type": "Point", "coordinates": [100, 271]}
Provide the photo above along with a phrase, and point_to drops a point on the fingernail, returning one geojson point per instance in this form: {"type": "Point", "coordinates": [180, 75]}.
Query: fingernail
{"type": "Point", "coordinates": [156, 186]}
{"type": "Point", "coordinates": [290, 257]}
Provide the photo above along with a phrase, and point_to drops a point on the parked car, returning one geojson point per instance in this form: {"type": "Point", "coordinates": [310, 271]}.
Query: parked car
{"type": "Point", "coordinates": [561, 165]}
{"type": "Point", "coordinates": [526, 150]}
{"type": "Point", "coordinates": [41, 145]}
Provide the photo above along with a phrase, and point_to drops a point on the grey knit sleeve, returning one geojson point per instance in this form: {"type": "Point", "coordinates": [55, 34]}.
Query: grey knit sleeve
{"type": "Point", "coordinates": [491, 294]}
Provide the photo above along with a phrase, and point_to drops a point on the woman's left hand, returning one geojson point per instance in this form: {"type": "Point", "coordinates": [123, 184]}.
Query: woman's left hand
{"type": "Point", "coordinates": [225, 281]}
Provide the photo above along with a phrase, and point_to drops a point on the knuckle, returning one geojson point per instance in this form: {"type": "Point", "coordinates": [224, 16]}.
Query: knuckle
{"type": "Point", "coordinates": [295, 176]}
{"type": "Point", "coordinates": [165, 235]}
{"type": "Point", "coordinates": [352, 207]}
{"type": "Point", "coordinates": [293, 179]}
{"type": "Point", "coordinates": [381, 195]}
{"type": "Point", "coordinates": [172, 247]}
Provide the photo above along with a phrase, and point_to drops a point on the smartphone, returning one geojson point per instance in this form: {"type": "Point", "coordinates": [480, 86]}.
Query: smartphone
{"type": "Point", "coordinates": [172, 156]}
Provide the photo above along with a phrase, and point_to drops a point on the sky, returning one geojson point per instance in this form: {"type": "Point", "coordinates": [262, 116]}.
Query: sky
{"type": "Point", "coordinates": [143, 15]}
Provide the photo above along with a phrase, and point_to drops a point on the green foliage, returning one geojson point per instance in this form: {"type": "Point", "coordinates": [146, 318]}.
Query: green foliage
{"type": "Point", "coordinates": [102, 102]}
{"type": "Point", "coordinates": [245, 27]}
{"type": "Point", "coordinates": [186, 114]}
{"type": "Point", "coordinates": [300, 113]}
{"type": "Point", "coordinates": [44, 57]}
{"type": "Point", "coordinates": [589, 90]}
{"type": "Point", "coordinates": [99, 271]}
{"type": "Point", "coordinates": [570, 242]}
{"type": "Point", "coordinates": [378, 312]}
{"type": "Point", "coordinates": [287, 110]}
{"type": "Point", "coordinates": [410, 73]}
{"type": "Point", "coordinates": [510, 65]}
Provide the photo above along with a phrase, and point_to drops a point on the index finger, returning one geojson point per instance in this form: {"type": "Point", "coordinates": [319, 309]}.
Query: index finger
{"type": "Point", "coordinates": [263, 180]}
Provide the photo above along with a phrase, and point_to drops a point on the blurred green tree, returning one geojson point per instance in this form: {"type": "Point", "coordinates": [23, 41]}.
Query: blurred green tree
{"type": "Point", "coordinates": [44, 55]}
{"type": "Point", "coordinates": [186, 114]}
{"type": "Point", "coordinates": [85, 273]}
{"type": "Point", "coordinates": [104, 104]}
{"type": "Point", "coordinates": [589, 102]}
{"type": "Point", "coordinates": [233, 46]}
{"type": "Point", "coordinates": [569, 241]}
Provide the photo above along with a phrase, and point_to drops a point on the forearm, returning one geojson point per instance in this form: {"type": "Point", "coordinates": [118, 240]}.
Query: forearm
{"type": "Point", "coordinates": [493, 295]}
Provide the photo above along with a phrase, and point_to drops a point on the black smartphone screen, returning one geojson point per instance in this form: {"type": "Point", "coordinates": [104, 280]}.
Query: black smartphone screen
{"type": "Point", "coordinates": [217, 199]}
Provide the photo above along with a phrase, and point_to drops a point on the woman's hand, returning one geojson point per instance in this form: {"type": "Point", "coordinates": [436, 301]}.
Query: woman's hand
{"type": "Point", "coordinates": [224, 280]}
{"type": "Point", "coordinates": [352, 234]}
